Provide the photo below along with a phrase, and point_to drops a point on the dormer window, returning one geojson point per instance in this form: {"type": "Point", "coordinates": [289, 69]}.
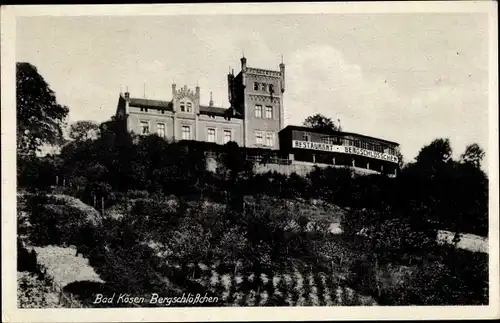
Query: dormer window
{"type": "Point", "coordinates": [186, 106]}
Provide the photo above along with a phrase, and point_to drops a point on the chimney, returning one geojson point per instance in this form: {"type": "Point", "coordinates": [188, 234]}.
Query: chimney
{"type": "Point", "coordinates": [230, 78]}
{"type": "Point", "coordinates": [211, 103]}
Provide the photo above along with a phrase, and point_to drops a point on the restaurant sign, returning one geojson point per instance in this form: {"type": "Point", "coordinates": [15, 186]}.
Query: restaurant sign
{"type": "Point", "coordinates": [343, 149]}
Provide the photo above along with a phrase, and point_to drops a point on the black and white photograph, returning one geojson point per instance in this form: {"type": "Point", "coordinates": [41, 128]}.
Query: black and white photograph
{"type": "Point", "coordinates": [211, 159]}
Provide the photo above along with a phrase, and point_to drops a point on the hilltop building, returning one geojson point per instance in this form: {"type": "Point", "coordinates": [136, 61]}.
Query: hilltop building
{"type": "Point", "coordinates": [254, 119]}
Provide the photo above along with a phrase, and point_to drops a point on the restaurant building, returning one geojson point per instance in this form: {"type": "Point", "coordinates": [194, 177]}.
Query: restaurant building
{"type": "Point", "coordinates": [362, 153]}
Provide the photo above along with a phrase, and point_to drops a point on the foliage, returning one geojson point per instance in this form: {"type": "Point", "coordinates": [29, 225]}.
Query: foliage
{"type": "Point", "coordinates": [437, 188]}
{"type": "Point", "coordinates": [61, 221]}
{"type": "Point", "coordinates": [388, 221]}
{"type": "Point", "coordinates": [319, 121]}
{"type": "Point", "coordinates": [26, 261]}
{"type": "Point", "coordinates": [83, 130]}
{"type": "Point", "coordinates": [38, 173]}
{"type": "Point", "coordinates": [473, 155]}
{"type": "Point", "coordinates": [455, 278]}
{"type": "Point", "coordinates": [435, 156]}
{"type": "Point", "coordinates": [39, 117]}
{"type": "Point", "coordinates": [35, 292]}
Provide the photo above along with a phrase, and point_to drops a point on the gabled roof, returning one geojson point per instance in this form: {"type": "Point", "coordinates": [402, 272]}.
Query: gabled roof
{"type": "Point", "coordinates": [154, 104]}
{"type": "Point", "coordinates": [338, 133]}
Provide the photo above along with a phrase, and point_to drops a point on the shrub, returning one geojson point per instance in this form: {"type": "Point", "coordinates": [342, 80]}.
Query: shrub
{"type": "Point", "coordinates": [58, 220]}
{"type": "Point", "coordinates": [26, 261]}
{"type": "Point", "coordinates": [33, 292]}
{"type": "Point", "coordinates": [137, 194]}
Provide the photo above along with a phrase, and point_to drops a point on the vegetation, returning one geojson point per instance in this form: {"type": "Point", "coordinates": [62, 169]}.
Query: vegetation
{"type": "Point", "coordinates": [83, 130]}
{"type": "Point", "coordinates": [34, 288]}
{"type": "Point", "coordinates": [163, 217]}
{"type": "Point", "coordinates": [40, 118]}
{"type": "Point", "coordinates": [319, 121]}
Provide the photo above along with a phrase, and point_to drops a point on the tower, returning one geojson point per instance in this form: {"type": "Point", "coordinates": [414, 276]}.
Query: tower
{"type": "Point", "coordinates": [257, 94]}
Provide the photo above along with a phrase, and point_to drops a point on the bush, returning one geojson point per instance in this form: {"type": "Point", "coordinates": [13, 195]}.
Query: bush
{"type": "Point", "coordinates": [37, 173]}
{"type": "Point", "coordinates": [34, 292]}
{"type": "Point", "coordinates": [26, 261]}
{"type": "Point", "coordinates": [59, 220]}
{"type": "Point", "coordinates": [137, 194]}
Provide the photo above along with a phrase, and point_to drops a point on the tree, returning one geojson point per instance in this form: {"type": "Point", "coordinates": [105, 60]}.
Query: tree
{"type": "Point", "coordinates": [434, 159]}
{"type": "Point", "coordinates": [319, 121]}
{"type": "Point", "coordinates": [400, 156]}
{"type": "Point", "coordinates": [473, 155]}
{"type": "Point", "coordinates": [83, 130]}
{"type": "Point", "coordinates": [438, 151]}
{"type": "Point", "coordinates": [39, 117]}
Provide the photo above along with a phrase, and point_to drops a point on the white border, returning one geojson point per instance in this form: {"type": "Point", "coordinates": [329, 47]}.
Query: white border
{"type": "Point", "coordinates": [11, 314]}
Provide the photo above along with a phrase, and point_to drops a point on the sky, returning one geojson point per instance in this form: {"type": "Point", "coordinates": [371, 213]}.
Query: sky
{"type": "Point", "coordinates": [406, 77]}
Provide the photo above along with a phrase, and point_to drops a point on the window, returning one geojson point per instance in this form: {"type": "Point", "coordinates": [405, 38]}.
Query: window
{"type": "Point", "coordinates": [269, 112]}
{"type": "Point", "coordinates": [258, 111]}
{"type": "Point", "coordinates": [227, 136]}
{"type": "Point", "coordinates": [162, 111]}
{"type": "Point", "coordinates": [160, 128]}
{"type": "Point", "coordinates": [186, 132]}
{"type": "Point", "coordinates": [271, 88]}
{"type": "Point", "coordinates": [305, 136]}
{"type": "Point", "coordinates": [144, 109]}
{"type": "Point", "coordinates": [270, 139]}
{"type": "Point", "coordinates": [264, 87]}
{"type": "Point", "coordinates": [189, 107]}
{"type": "Point", "coordinates": [183, 106]}
{"type": "Point", "coordinates": [256, 86]}
{"type": "Point", "coordinates": [259, 140]}
{"type": "Point", "coordinates": [211, 135]}
{"type": "Point", "coordinates": [144, 127]}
